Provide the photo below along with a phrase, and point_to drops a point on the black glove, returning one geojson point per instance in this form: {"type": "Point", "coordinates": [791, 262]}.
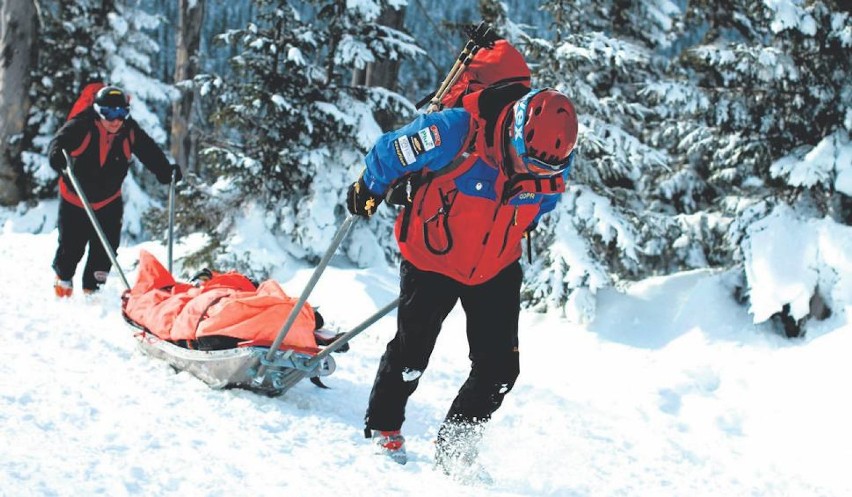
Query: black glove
{"type": "Point", "coordinates": [166, 178]}
{"type": "Point", "coordinates": [360, 201]}
{"type": "Point", "coordinates": [57, 161]}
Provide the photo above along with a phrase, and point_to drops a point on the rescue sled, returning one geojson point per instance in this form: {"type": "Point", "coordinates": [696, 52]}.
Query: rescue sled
{"type": "Point", "coordinates": [221, 328]}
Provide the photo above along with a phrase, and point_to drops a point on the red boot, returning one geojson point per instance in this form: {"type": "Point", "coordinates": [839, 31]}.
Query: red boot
{"type": "Point", "coordinates": [392, 444]}
{"type": "Point", "coordinates": [62, 288]}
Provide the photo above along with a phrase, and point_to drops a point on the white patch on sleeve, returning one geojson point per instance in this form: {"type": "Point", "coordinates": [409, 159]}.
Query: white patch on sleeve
{"type": "Point", "coordinates": [407, 152]}
{"type": "Point", "coordinates": [426, 138]}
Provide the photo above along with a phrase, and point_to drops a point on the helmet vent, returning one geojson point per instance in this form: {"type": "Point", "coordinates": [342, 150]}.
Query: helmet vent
{"type": "Point", "coordinates": [537, 110]}
{"type": "Point", "coordinates": [530, 136]}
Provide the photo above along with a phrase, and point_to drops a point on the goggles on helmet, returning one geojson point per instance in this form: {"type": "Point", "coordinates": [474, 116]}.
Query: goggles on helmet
{"type": "Point", "coordinates": [112, 113]}
{"type": "Point", "coordinates": [533, 165]}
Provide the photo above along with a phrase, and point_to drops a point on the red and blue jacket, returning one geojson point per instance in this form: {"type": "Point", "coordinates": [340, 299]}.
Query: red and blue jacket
{"type": "Point", "coordinates": [469, 212]}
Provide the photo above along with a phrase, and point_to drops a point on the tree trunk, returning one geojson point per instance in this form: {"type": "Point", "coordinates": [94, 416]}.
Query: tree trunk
{"type": "Point", "coordinates": [183, 143]}
{"type": "Point", "coordinates": [18, 31]}
{"type": "Point", "coordinates": [385, 73]}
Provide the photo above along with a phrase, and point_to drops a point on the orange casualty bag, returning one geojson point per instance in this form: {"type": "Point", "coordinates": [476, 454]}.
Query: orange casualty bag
{"type": "Point", "coordinates": [226, 305]}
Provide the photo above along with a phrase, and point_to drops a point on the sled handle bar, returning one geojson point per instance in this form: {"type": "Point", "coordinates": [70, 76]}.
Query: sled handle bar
{"type": "Point", "coordinates": [342, 231]}
{"type": "Point", "coordinates": [91, 213]}
{"type": "Point", "coordinates": [343, 340]}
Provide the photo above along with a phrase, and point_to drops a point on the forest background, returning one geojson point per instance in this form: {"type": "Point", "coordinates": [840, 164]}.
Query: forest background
{"type": "Point", "coordinates": [706, 127]}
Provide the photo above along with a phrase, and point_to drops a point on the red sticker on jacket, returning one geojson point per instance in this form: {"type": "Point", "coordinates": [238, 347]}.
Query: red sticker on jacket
{"type": "Point", "coordinates": [436, 137]}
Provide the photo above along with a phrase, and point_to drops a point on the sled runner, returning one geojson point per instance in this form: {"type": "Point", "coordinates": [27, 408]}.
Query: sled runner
{"type": "Point", "coordinates": [237, 367]}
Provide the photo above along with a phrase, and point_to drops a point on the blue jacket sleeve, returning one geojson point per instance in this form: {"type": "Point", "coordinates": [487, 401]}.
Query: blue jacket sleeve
{"type": "Point", "coordinates": [431, 140]}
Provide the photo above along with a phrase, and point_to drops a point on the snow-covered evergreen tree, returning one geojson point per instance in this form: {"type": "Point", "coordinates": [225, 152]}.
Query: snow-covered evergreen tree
{"type": "Point", "coordinates": [768, 104]}
{"type": "Point", "coordinates": [292, 131]}
{"type": "Point", "coordinates": [761, 117]}
{"type": "Point", "coordinates": [602, 55]}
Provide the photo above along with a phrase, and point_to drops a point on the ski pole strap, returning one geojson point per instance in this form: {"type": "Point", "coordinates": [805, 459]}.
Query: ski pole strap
{"type": "Point", "coordinates": [483, 35]}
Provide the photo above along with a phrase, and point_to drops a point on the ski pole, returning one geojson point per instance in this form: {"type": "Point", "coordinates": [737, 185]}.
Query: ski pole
{"type": "Point", "coordinates": [343, 340]}
{"type": "Point", "coordinates": [338, 238]}
{"type": "Point", "coordinates": [171, 217]}
{"type": "Point", "coordinates": [95, 224]}
{"type": "Point", "coordinates": [478, 39]}
{"type": "Point", "coordinates": [435, 103]}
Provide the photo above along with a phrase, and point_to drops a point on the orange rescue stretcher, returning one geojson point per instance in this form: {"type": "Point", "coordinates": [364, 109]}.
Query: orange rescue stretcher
{"type": "Point", "coordinates": [221, 329]}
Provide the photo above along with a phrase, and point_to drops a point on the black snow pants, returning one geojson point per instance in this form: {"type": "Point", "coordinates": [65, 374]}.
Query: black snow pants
{"type": "Point", "coordinates": [426, 298]}
{"type": "Point", "coordinates": [76, 231]}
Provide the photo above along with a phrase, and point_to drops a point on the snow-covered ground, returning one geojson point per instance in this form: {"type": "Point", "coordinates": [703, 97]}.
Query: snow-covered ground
{"type": "Point", "coordinates": [670, 391]}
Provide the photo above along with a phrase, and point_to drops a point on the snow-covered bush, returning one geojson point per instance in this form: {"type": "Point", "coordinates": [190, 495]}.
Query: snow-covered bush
{"type": "Point", "coordinates": [797, 267]}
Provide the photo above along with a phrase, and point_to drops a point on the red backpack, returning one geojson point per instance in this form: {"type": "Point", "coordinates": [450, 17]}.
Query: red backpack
{"type": "Point", "coordinates": [86, 98]}
{"type": "Point", "coordinates": [499, 65]}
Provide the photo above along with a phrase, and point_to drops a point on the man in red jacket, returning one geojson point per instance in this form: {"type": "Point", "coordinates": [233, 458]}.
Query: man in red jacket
{"type": "Point", "coordinates": [481, 177]}
{"type": "Point", "coordinates": [101, 140]}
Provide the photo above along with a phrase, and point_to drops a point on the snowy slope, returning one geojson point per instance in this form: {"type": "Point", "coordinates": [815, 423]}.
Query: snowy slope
{"type": "Point", "coordinates": [671, 391]}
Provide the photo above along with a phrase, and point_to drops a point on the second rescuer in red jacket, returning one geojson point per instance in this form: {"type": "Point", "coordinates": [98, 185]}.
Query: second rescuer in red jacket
{"type": "Point", "coordinates": [481, 176]}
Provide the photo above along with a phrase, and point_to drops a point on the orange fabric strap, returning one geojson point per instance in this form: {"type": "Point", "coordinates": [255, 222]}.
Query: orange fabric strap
{"type": "Point", "coordinates": [73, 199]}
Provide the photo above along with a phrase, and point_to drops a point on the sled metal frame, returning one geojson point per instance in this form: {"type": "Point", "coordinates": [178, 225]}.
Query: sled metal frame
{"type": "Point", "coordinates": [237, 367]}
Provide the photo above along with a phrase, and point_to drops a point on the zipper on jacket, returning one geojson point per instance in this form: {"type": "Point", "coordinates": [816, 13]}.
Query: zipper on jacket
{"type": "Point", "coordinates": [508, 229]}
{"type": "Point", "coordinates": [488, 234]}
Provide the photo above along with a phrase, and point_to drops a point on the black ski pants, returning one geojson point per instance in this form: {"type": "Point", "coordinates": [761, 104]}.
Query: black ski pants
{"type": "Point", "coordinates": [426, 298]}
{"type": "Point", "coordinates": [76, 231]}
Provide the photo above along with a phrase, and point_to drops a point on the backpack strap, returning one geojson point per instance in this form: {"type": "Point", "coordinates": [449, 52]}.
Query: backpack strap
{"type": "Point", "coordinates": [85, 143]}
{"type": "Point", "coordinates": [489, 104]}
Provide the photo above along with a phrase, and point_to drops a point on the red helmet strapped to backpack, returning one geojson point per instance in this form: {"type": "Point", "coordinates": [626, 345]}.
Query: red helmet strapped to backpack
{"type": "Point", "coordinates": [545, 131]}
